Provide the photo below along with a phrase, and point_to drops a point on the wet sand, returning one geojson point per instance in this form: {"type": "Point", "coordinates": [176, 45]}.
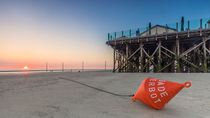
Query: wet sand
{"type": "Point", "coordinates": [45, 95]}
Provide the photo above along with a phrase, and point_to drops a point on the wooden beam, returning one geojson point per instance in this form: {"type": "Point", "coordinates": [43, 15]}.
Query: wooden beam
{"type": "Point", "coordinates": [208, 51]}
{"type": "Point", "coordinates": [165, 66]}
{"type": "Point", "coordinates": [195, 66]}
{"type": "Point", "coordinates": [190, 49]}
{"type": "Point", "coordinates": [155, 51]}
{"type": "Point", "coordinates": [145, 66]}
{"type": "Point", "coordinates": [204, 54]}
{"type": "Point", "coordinates": [168, 50]}
{"type": "Point", "coordinates": [133, 54]}
{"type": "Point", "coordinates": [150, 59]}
{"type": "Point", "coordinates": [166, 54]}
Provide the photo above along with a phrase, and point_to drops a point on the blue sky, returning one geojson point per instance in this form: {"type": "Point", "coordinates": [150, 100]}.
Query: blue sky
{"type": "Point", "coordinates": [71, 31]}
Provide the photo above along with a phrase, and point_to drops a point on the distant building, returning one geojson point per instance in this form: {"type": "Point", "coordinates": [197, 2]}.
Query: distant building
{"type": "Point", "coordinates": [158, 29]}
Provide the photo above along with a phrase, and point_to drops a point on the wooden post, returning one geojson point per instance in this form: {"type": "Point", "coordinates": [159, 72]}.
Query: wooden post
{"type": "Point", "coordinates": [127, 54]}
{"type": "Point", "coordinates": [200, 27]}
{"type": "Point", "coordinates": [174, 64]}
{"type": "Point", "coordinates": [126, 50]}
{"type": "Point", "coordinates": [177, 55]}
{"type": "Point", "coordinates": [118, 61]}
{"type": "Point", "coordinates": [159, 54]}
{"type": "Point", "coordinates": [62, 67]}
{"type": "Point", "coordinates": [123, 62]}
{"type": "Point", "coordinates": [46, 67]}
{"type": "Point", "coordinates": [105, 66]}
{"type": "Point", "coordinates": [181, 64]}
{"type": "Point", "coordinates": [204, 53]}
{"type": "Point", "coordinates": [82, 66]}
{"type": "Point", "coordinates": [182, 24]}
{"type": "Point", "coordinates": [177, 27]}
{"type": "Point", "coordinates": [166, 31]}
{"type": "Point", "coordinates": [114, 59]}
{"type": "Point", "coordinates": [194, 59]}
{"type": "Point", "coordinates": [150, 26]}
{"type": "Point", "coordinates": [188, 28]}
{"type": "Point", "coordinates": [148, 65]}
{"type": "Point", "coordinates": [200, 23]}
{"type": "Point", "coordinates": [141, 57]}
{"type": "Point", "coordinates": [177, 30]}
{"type": "Point", "coordinates": [137, 32]}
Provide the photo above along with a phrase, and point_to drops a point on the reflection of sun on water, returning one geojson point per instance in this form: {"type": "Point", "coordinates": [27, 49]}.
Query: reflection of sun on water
{"type": "Point", "coordinates": [25, 68]}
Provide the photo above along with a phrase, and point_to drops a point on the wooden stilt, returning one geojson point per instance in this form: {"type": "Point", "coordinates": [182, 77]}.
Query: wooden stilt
{"type": "Point", "coordinates": [127, 52]}
{"type": "Point", "coordinates": [141, 57]}
{"type": "Point", "coordinates": [177, 56]}
{"type": "Point", "coordinates": [159, 55]}
{"type": "Point", "coordinates": [114, 59]}
{"type": "Point", "coordinates": [204, 53]}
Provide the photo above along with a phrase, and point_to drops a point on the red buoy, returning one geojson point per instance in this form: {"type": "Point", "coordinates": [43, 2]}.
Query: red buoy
{"type": "Point", "coordinates": [156, 93]}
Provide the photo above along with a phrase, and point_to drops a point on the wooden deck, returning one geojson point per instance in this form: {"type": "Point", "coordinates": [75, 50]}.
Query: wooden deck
{"type": "Point", "coordinates": [187, 51]}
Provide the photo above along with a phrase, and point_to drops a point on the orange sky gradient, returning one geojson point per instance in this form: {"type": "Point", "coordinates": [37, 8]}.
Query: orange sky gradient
{"type": "Point", "coordinates": [30, 38]}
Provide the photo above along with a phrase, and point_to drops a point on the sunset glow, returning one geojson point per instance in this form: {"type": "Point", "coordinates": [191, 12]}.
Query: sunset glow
{"type": "Point", "coordinates": [25, 67]}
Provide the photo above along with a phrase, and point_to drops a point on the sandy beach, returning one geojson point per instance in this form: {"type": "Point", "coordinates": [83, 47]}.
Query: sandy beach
{"type": "Point", "coordinates": [45, 95]}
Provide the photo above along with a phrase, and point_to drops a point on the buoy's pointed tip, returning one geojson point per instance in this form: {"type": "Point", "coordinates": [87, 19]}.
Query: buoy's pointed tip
{"type": "Point", "coordinates": [133, 99]}
{"type": "Point", "coordinates": [187, 84]}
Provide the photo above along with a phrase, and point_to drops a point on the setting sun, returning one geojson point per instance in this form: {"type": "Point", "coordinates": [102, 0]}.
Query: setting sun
{"type": "Point", "coordinates": [25, 68]}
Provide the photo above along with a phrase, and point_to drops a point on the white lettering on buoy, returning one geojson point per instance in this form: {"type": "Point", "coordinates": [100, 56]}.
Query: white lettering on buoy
{"type": "Point", "coordinates": [153, 95]}
{"type": "Point", "coordinates": [162, 80]}
{"type": "Point", "coordinates": [161, 83]}
{"type": "Point", "coordinates": [157, 90]}
{"type": "Point", "coordinates": [153, 80]}
{"type": "Point", "coordinates": [161, 88]}
{"type": "Point", "coordinates": [163, 94]}
{"type": "Point", "coordinates": [151, 83]}
{"type": "Point", "coordinates": [157, 100]}
{"type": "Point", "coordinates": [152, 89]}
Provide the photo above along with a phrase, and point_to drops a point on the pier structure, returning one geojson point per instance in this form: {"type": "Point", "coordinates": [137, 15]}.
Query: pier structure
{"type": "Point", "coordinates": [179, 47]}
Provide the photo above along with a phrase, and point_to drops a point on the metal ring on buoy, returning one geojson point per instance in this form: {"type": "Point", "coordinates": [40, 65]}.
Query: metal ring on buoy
{"type": "Point", "coordinates": [187, 84]}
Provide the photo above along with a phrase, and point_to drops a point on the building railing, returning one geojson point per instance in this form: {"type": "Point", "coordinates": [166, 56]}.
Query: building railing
{"type": "Point", "coordinates": [178, 27]}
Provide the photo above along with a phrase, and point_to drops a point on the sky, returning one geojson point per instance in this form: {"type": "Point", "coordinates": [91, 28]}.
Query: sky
{"type": "Point", "coordinates": [36, 32]}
